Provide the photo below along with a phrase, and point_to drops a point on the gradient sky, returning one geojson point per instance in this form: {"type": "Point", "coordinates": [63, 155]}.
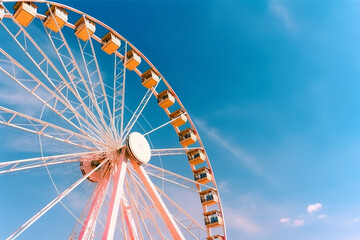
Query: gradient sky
{"type": "Point", "coordinates": [273, 87]}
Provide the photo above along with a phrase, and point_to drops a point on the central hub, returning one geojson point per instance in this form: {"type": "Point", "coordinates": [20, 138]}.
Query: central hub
{"type": "Point", "coordinates": [138, 148]}
{"type": "Point", "coordinates": [88, 162]}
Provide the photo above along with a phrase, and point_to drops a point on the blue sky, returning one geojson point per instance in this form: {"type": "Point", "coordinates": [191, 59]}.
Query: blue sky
{"type": "Point", "coordinates": [273, 87]}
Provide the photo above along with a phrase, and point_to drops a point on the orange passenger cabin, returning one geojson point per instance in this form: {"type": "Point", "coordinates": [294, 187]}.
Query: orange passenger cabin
{"type": "Point", "coordinates": [110, 43]}
{"type": "Point", "coordinates": [25, 12]}
{"type": "Point", "coordinates": [215, 237]}
{"type": "Point", "coordinates": [165, 99]}
{"type": "Point", "coordinates": [196, 156]}
{"type": "Point", "coordinates": [187, 137]}
{"type": "Point", "coordinates": [55, 18]}
{"type": "Point", "coordinates": [209, 197]}
{"type": "Point", "coordinates": [213, 219]}
{"type": "Point", "coordinates": [202, 175]}
{"type": "Point", "coordinates": [178, 118]}
{"type": "Point", "coordinates": [84, 28]}
{"type": "Point", "coordinates": [132, 60]}
{"type": "Point", "coordinates": [149, 79]}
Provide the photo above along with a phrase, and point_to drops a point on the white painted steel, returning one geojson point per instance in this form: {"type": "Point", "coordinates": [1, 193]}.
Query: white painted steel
{"type": "Point", "coordinates": [139, 147]}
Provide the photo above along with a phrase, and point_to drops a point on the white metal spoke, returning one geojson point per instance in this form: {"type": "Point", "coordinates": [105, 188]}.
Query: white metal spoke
{"type": "Point", "coordinates": [189, 217]}
{"type": "Point", "coordinates": [33, 125]}
{"type": "Point", "coordinates": [97, 88]}
{"type": "Point", "coordinates": [93, 92]}
{"type": "Point", "coordinates": [159, 204]}
{"type": "Point", "coordinates": [58, 104]}
{"type": "Point", "coordinates": [121, 215]}
{"type": "Point", "coordinates": [85, 209]}
{"type": "Point", "coordinates": [173, 177]}
{"type": "Point", "coordinates": [96, 201]}
{"type": "Point", "coordinates": [45, 63]}
{"type": "Point", "coordinates": [135, 212]}
{"type": "Point", "coordinates": [140, 190]}
{"type": "Point", "coordinates": [123, 92]}
{"type": "Point", "coordinates": [184, 227]}
{"type": "Point", "coordinates": [24, 164]}
{"type": "Point", "coordinates": [53, 203]}
{"type": "Point", "coordinates": [193, 221]}
{"type": "Point", "coordinates": [161, 126]}
{"type": "Point", "coordinates": [72, 69]}
{"type": "Point", "coordinates": [50, 176]}
{"type": "Point", "coordinates": [136, 115]}
{"type": "Point", "coordinates": [169, 151]}
{"type": "Point", "coordinates": [94, 73]}
{"type": "Point", "coordinates": [119, 94]}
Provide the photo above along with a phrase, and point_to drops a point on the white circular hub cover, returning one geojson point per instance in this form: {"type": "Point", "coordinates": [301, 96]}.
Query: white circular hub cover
{"type": "Point", "coordinates": [139, 147]}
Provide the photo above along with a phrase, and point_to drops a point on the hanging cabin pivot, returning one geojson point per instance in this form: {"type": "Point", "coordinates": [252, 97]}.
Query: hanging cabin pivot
{"type": "Point", "coordinates": [209, 197]}
{"type": "Point", "coordinates": [196, 156]}
{"type": "Point", "coordinates": [55, 18]}
{"type": "Point", "coordinates": [25, 12]}
{"type": "Point", "coordinates": [149, 79]}
{"type": "Point", "coordinates": [165, 99]}
{"type": "Point", "coordinates": [187, 137]}
{"type": "Point", "coordinates": [181, 118]}
{"type": "Point", "coordinates": [132, 60]}
{"type": "Point", "coordinates": [110, 43]}
{"type": "Point", "coordinates": [213, 219]}
{"type": "Point", "coordinates": [84, 28]}
{"type": "Point", "coordinates": [202, 175]}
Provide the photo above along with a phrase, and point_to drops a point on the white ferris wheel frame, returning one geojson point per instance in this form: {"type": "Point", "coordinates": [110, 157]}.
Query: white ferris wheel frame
{"type": "Point", "coordinates": [94, 128]}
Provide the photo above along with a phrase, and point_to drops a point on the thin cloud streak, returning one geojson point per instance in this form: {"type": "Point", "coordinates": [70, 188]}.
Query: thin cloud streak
{"type": "Point", "coordinates": [247, 159]}
{"type": "Point", "coordinates": [284, 220]}
{"type": "Point", "coordinates": [282, 13]}
{"type": "Point", "coordinates": [298, 222]}
{"type": "Point", "coordinates": [235, 220]}
{"type": "Point", "coordinates": [293, 223]}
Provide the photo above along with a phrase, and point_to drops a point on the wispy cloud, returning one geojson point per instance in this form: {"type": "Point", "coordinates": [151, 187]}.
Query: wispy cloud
{"type": "Point", "coordinates": [294, 223]}
{"type": "Point", "coordinates": [280, 11]}
{"type": "Point", "coordinates": [300, 219]}
{"type": "Point", "coordinates": [314, 208]}
{"type": "Point", "coordinates": [235, 220]}
{"type": "Point", "coordinates": [247, 159]}
{"type": "Point", "coordinates": [223, 187]}
{"type": "Point", "coordinates": [284, 220]}
{"type": "Point", "coordinates": [298, 222]}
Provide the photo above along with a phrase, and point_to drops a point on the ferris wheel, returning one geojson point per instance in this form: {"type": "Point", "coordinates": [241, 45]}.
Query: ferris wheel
{"type": "Point", "coordinates": [95, 142]}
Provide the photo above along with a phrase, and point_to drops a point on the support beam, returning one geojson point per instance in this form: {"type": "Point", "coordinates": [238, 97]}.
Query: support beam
{"type": "Point", "coordinates": [52, 203]}
{"type": "Point", "coordinates": [118, 174]}
{"type": "Point", "coordinates": [88, 228]}
{"type": "Point", "coordinates": [129, 219]}
{"type": "Point", "coordinates": [160, 205]}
